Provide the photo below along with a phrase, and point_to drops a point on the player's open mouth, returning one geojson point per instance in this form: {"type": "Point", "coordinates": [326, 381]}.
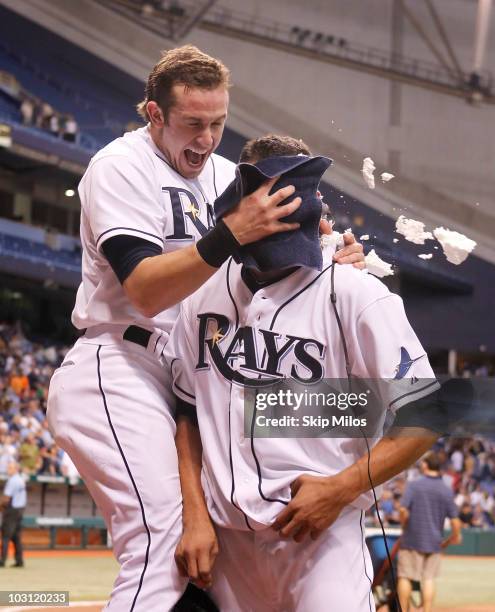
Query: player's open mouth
{"type": "Point", "coordinates": [194, 158]}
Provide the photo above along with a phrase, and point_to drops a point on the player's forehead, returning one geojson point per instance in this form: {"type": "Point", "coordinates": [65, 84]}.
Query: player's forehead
{"type": "Point", "coordinates": [203, 104]}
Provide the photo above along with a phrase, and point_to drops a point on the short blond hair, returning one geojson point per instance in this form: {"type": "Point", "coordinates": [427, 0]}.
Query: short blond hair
{"type": "Point", "coordinates": [186, 66]}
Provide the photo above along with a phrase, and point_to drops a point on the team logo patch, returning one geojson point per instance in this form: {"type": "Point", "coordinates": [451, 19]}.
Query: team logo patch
{"type": "Point", "coordinates": [405, 363]}
{"type": "Point", "coordinates": [186, 213]}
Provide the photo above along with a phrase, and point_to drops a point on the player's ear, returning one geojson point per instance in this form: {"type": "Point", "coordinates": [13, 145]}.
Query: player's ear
{"type": "Point", "coordinates": [155, 114]}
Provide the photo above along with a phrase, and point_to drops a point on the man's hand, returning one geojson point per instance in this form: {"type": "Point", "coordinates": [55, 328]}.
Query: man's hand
{"type": "Point", "coordinates": [316, 504]}
{"type": "Point", "coordinates": [196, 553]}
{"type": "Point", "coordinates": [197, 549]}
{"type": "Point", "coordinates": [452, 540]}
{"type": "Point", "coordinates": [456, 535]}
{"type": "Point", "coordinates": [258, 214]}
{"type": "Point", "coordinates": [351, 253]}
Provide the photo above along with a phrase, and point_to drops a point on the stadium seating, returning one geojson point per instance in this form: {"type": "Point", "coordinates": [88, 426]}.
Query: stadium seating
{"type": "Point", "coordinates": [30, 259]}
{"type": "Point", "coordinates": [45, 70]}
{"type": "Point", "coordinates": [21, 248]}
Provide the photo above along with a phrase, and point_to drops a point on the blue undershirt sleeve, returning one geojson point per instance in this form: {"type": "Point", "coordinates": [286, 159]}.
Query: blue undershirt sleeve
{"type": "Point", "coordinates": [124, 252]}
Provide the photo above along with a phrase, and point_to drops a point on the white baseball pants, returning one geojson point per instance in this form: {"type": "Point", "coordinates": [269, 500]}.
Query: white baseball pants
{"type": "Point", "coordinates": [259, 572]}
{"type": "Point", "coordinates": [108, 407]}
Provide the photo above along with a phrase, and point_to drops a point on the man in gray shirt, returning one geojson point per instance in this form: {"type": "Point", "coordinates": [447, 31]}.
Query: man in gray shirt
{"type": "Point", "coordinates": [13, 503]}
{"type": "Point", "coordinates": [426, 503]}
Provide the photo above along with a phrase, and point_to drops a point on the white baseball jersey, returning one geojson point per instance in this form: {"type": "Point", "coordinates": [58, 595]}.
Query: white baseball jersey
{"type": "Point", "coordinates": [226, 336]}
{"type": "Point", "coordinates": [129, 188]}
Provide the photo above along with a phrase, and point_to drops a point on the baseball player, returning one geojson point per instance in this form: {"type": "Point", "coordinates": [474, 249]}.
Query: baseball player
{"type": "Point", "coordinates": [149, 240]}
{"type": "Point", "coordinates": [267, 315]}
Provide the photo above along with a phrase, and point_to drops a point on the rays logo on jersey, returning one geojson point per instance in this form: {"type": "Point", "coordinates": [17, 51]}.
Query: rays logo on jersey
{"type": "Point", "coordinates": [257, 352]}
{"type": "Point", "coordinates": [405, 363]}
{"type": "Point", "coordinates": [186, 206]}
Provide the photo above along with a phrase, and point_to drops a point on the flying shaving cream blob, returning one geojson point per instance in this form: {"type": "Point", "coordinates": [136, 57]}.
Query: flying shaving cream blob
{"type": "Point", "coordinates": [364, 237]}
{"type": "Point", "coordinates": [386, 177]}
{"type": "Point", "coordinates": [425, 255]}
{"type": "Point", "coordinates": [412, 230]}
{"type": "Point", "coordinates": [456, 246]}
{"type": "Point", "coordinates": [334, 240]}
{"type": "Point", "coordinates": [377, 266]}
{"type": "Point", "coordinates": [367, 170]}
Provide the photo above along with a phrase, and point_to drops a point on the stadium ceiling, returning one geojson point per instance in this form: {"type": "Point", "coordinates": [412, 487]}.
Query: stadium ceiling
{"type": "Point", "coordinates": [444, 74]}
{"type": "Point", "coordinates": [173, 20]}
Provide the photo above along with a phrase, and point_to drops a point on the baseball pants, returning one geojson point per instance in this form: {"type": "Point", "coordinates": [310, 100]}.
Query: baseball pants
{"type": "Point", "coordinates": [108, 407]}
{"type": "Point", "coordinates": [259, 572]}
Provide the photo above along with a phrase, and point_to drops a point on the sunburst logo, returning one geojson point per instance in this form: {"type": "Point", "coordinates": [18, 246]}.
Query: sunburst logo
{"type": "Point", "coordinates": [217, 336]}
{"type": "Point", "coordinates": [193, 211]}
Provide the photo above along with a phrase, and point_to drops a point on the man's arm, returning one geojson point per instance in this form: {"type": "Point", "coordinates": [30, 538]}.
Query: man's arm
{"type": "Point", "coordinates": [197, 548]}
{"type": "Point", "coordinates": [318, 501]}
{"type": "Point", "coordinates": [120, 202]}
{"type": "Point", "coordinates": [403, 516]}
{"type": "Point", "coordinates": [4, 501]}
{"type": "Point", "coordinates": [160, 282]}
{"type": "Point", "coordinates": [456, 536]}
{"type": "Point", "coordinates": [8, 492]}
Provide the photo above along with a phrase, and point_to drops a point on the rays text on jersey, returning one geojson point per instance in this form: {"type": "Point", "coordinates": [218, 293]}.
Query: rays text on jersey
{"type": "Point", "coordinates": [253, 356]}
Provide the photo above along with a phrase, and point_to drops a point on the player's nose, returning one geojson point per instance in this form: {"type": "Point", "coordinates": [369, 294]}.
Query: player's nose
{"type": "Point", "coordinates": [205, 139]}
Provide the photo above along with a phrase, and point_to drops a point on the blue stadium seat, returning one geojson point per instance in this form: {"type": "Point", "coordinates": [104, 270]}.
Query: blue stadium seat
{"type": "Point", "coordinates": [37, 253]}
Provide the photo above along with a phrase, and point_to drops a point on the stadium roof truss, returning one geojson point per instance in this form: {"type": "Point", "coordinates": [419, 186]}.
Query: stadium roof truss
{"type": "Point", "coordinates": [176, 18]}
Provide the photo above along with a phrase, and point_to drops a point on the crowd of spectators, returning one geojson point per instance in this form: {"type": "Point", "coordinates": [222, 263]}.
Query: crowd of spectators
{"type": "Point", "coordinates": [468, 468]}
{"type": "Point", "coordinates": [36, 112]}
{"type": "Point", "coordinates": [40, 114]}
{"type": "Point", "coordinates": [25, 371]}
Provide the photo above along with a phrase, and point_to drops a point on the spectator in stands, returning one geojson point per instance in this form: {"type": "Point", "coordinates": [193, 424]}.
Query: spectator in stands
{"type": "Point", "coordinates": [70, 129]}
{"type": "Point", "coordinates": [461, 497]}
{"type": "Point", "coordinates": [45, 436]}
{"type": "Point", "coordinates": [487, 505]}
{"type": "Point", "coordinates": [476, 495]}
{"type": "Point", "coordinates": [27, 111]}
{"type": "Point", "coordinates": [33, 410]}
{"type": "Point", "coordinates": [19, 382]}
{"type": "Point", "coordinates": [8, 452]}
{"type": "Point", "coordinates": [49, 461]}
{"type": "Point", "coordinates": [33, 377]}
{"type": "Point", "coordinates": [44, 116]}
{"type": "Point", "coordinates": [54, 125]}
{"type": "Point", "coordinates": [457, 458]}
{"type": "Point", "coordinates": [394, 517]}
{"type": "Point", "coordinates": [29, 455]}
{"type": "Point", "coordinates": [386, 505]}
{"type": "Point", "coordinates": [466, 515]}
{"type": "Point", "coordinates": [390, 507]}
{"type": "Point", "coordinates": [38, 112]}
{"type": "Point", "coordinates": [13, 504]}
{"type": "Point", "coordinates": [426, 503]}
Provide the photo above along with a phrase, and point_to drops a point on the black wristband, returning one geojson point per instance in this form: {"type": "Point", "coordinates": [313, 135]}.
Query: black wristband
{"type": "Point", "coordinates": [217, 245]}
